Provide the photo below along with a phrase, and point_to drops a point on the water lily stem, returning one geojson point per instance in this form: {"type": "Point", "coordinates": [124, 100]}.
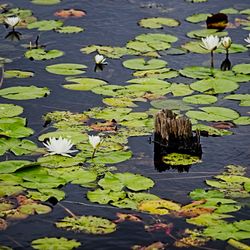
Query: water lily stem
{"type": "Point", "coordinates": [2, 76]}
{"type": "Point", "coordinates": [93, 154]}
{"type": "Point", "coordinates": [212, 59]}
{"type": "Point", "coordinates": [67, 210]}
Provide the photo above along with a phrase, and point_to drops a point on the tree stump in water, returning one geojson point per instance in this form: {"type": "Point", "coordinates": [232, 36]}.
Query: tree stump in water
{"type": "Point", "coordinates": [174, 134]}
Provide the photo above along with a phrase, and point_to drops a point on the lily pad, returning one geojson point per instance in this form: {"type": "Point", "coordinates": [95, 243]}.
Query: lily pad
{"type": "Point", "coordinates": [159, 206]}
{"type": "Point", "coordinates": [200, 99]}
{"type": "Point", "coordinates": [69, 29]}
{"type": "Point", "coordinates": [141, 64]}
{"type": "Point", "coordinates": [119, 102]}
{"type": "Point", "coordinates": [54, 243]}
{"type": "Point", "coordinates": [170, 104]}
{"type": "Point", "coordinates": [87, 224]}
{"type": "Point", "coordinates": [205, 32]}
{"type": "Point", "coordinates": [214, 86]}
{"type": "Point", "coordinates": [24, 93]}
{"type": "Point", "coordinates": [197, 72]}
{"type": "Point", "coordinates": [10, 110]}
{"type": "Point", "coordinates": [158, 22]}
{"type": "Point", "coordinates": [243, 98]}
{"type": "Point", "coordinates": [196, 18]}
{"type": "Point", "coordinates": [242, 68]}
{"type": "Point", "coordinates": [243, 120]}
{"type": "Point", "coordinates": [176, 159]}
{"type": "Point", "coordinates": [152, 38]}
{"type": "Point", "coordinates": [179, 89]}
{"type": "Point", "coordinates": [45, 193]}
{"type": "Point", "coordinates": [42, 54]}
{"type": "Point", "coordinates": [157, 73]}
{"type": "Point", "coordinates": [17, 74]}
{"type": "Point", "coordinates": [111, 157]}
{"type": "Point", "coordinates": [84, 84]}
{"type": "Point", "coordinates": [213, 114]}
{"type": "Point", "coordinates": [66, 69]}
{"type": "Point", "coordinates": [45, 25]}
{"type": "Point", "coordinates": [211, 131]}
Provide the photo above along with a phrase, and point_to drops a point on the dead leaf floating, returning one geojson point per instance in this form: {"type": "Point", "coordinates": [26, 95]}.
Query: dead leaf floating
{"type": "Point", "coordinates": [70, 13]}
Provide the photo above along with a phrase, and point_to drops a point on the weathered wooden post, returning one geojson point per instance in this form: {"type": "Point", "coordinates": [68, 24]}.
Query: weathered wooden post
{"type": "Point", "coordinates": [174, 134]}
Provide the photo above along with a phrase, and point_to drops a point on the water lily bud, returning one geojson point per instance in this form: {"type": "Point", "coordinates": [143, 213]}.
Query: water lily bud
{"type": "Point", "coordinates": [94, 141]}
{"type": "Point", "coordinates": [100, 59]}
{"type": "Point", "coordinates": [12, 21]}
{"type": "Point", "coordinates": [226, 42]}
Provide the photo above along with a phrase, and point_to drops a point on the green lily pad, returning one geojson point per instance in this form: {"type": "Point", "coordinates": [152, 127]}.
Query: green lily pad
{"type": "Point", "coordinates": [8, 190]}
{"type": "Point", "coordinates": [84, 84]}
{"type": "Point", "coordinates": [44, 194]}
{"type": "Point", "coordinates": [45, 25]}
{"type": "Point", "coordinates": [135, 182]}
{"type": "Point", "coordinates": [211, 131]}
{"type": "Point", "coordinates": [87, 224]}
{"type": "Point", "coordinates": [199, 194]}
{"type": "Point", "coordinates": [17, 74]}
{"type": "Point", "coordinates": [142, 47]}
{"type": "Point", "coordinates": [152, 38]}
{"type": "Point", "coordinates": [10, 110]}
{"type": "Point", "coordinates": [234, 48]}
{"type": "Point", "coordinates": [66, 69]}
{"type": "Point", "coordinates": [196, 18]}
{"type": "Point", "coordinates": [176, 159]}
{"type": "Point", "coordinates": [54, 243]}
{"type": "Point", "coordinates": [17, 146]}
{"type": "Point", "coordinates": [13, 165]}
{"type": "Point", "coordinates": [56, 161]}
{"type": "Point", "coordinates": [119, 102]}
{"type": "Point", "coordinates": [158, 22]}
{"type": "Point", "coordinates": [179, 89]}
{"type": "Point", "coordinates": [229, 11]}
{"type": "Point", "coordinates": [243, 120]}
{"type": "Point", "coordinates": [200, 99]}
{"type": "Point", "coordinates": [242, 68]}
{"type": "Point", "coordinates": [111, 157]}
{"type": "Point", "coordinates": [213, 114]}
{"type": "Point", "coordinates": [141, 64]}
{"type": "Point", "coordinates": [24, 93]}
{"type": "Point", "coordinates": [170, 104]}
{"type": "Point", "coordinates": [34, 208]}
{"type": "Point", "coordinates": [69, 29]}
{"type": "Point", "coordinates": [111, 182]}
{"type": "Point", "coordinates": [214, 86]}
{"type": "Point", "coordinates": [157, 73]}
{"type": "Point", "coordinates": [42, 54]}
{"type": "Point", "coordinates": [245, 12]}
{"type": "Point", "coordinates": [197, 72]}
{"type": "Point", "coordinates": [243, 98]}
{"type": "Point", "coordinates": [105, 196]}
{"type": "Point", "coordinates": [206, 32]}
{"type": "Point", "coordinates": [84, 176]}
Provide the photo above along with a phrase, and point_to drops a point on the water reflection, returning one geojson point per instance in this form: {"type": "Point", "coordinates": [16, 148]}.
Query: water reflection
{"type": "Point", "coordinates": [13, 35]}
{"type": "Point", "coordinates": [226, 64]}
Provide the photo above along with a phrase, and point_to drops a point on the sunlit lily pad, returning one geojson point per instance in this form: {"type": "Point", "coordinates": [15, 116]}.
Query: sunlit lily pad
{"type": "Point", "coordinates": [45, 25]}
{"type": "Point", "coordinates": [196, 18]}
{"type": "Point", "coordinates": [198, 72]}
{"type": "Point", "coordinates": [66, 69]}
{"type": "Point", "coordinates": [152, 38]}
{"type": "Point", "coordinates": [205, 32]}
{"type": "Point", "coordinates": [141, 64]}
{"type": "Point", "coordinates": [87, 224]}
{"type": "Point", "coordinates": [243, 68]}
{"type": "Point", "coordinates": [46, 2]}
{"type": "Point", "coordinates": [213, 114]}
{"type": "Point", "coordinates": [157, 73]}
{"type": "Point", "coordinates": [54, 243]}
{"type": "Point", "coordinates": [69, 29]}
{"type": "Point", "coordinates": [42, 54]}
{"type": "Point", "coordinates": [10, 110]}
{"type": "Point", "coordinates": [158, 22]}
{"type": "Point", "coordinates": [176, 159]}
{"type": "Point", "coordinates": [214, 86]}
{"type": "Point", "coordinates": [119, 102]}
{"type": "Point", "coordinates": [24, 93]}
{"type": "Point", "coordinates": [160, 206]}
{"type": "Point", "coordinates": [179, 89]}
{"type": "Point", "coordinates": [111, 157]}
{"type": "Point", "coordinates": [84, 84]}
{"type": "Point", "coordinates": [8, 190]}
{"type": "Point", "coordinates": [229, 11]}
{"type": "Point", "coordinates": [200, 99]}
{"type": "Point", "coordinates": [243, 120]}
{"type": "Point", "coordinates": [18, 74]}
{"type": "Point", "coordinates": [45, 193]}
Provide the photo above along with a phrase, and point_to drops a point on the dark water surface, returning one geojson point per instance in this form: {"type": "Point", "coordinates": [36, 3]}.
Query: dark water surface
{"type": "Point", "coordinates": [114, 23]}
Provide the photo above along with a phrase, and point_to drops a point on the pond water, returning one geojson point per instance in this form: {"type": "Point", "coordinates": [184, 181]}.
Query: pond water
{"type": "Point", "coordinates": [114, 23]}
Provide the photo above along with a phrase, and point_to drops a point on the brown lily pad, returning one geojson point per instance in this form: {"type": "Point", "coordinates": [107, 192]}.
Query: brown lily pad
{"type": "Point", "coordinates": [70, 13]}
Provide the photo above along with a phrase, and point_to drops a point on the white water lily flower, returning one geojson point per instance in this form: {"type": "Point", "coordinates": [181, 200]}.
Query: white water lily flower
{"type": "Point", "coordinates": [94, 140]}
{"type": "Point", "coordinates": [210, 43]}
{"type": "Point", "coordinates": [248, 40]}
{"type": "Point", "coordinates": [226, 42]}
{"type": "Point", "coordinates": [59, 146]}
{"type": "Point", "coordinates": [12, 21]}
{"type": "Point", "coordinates": [100, 59]}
